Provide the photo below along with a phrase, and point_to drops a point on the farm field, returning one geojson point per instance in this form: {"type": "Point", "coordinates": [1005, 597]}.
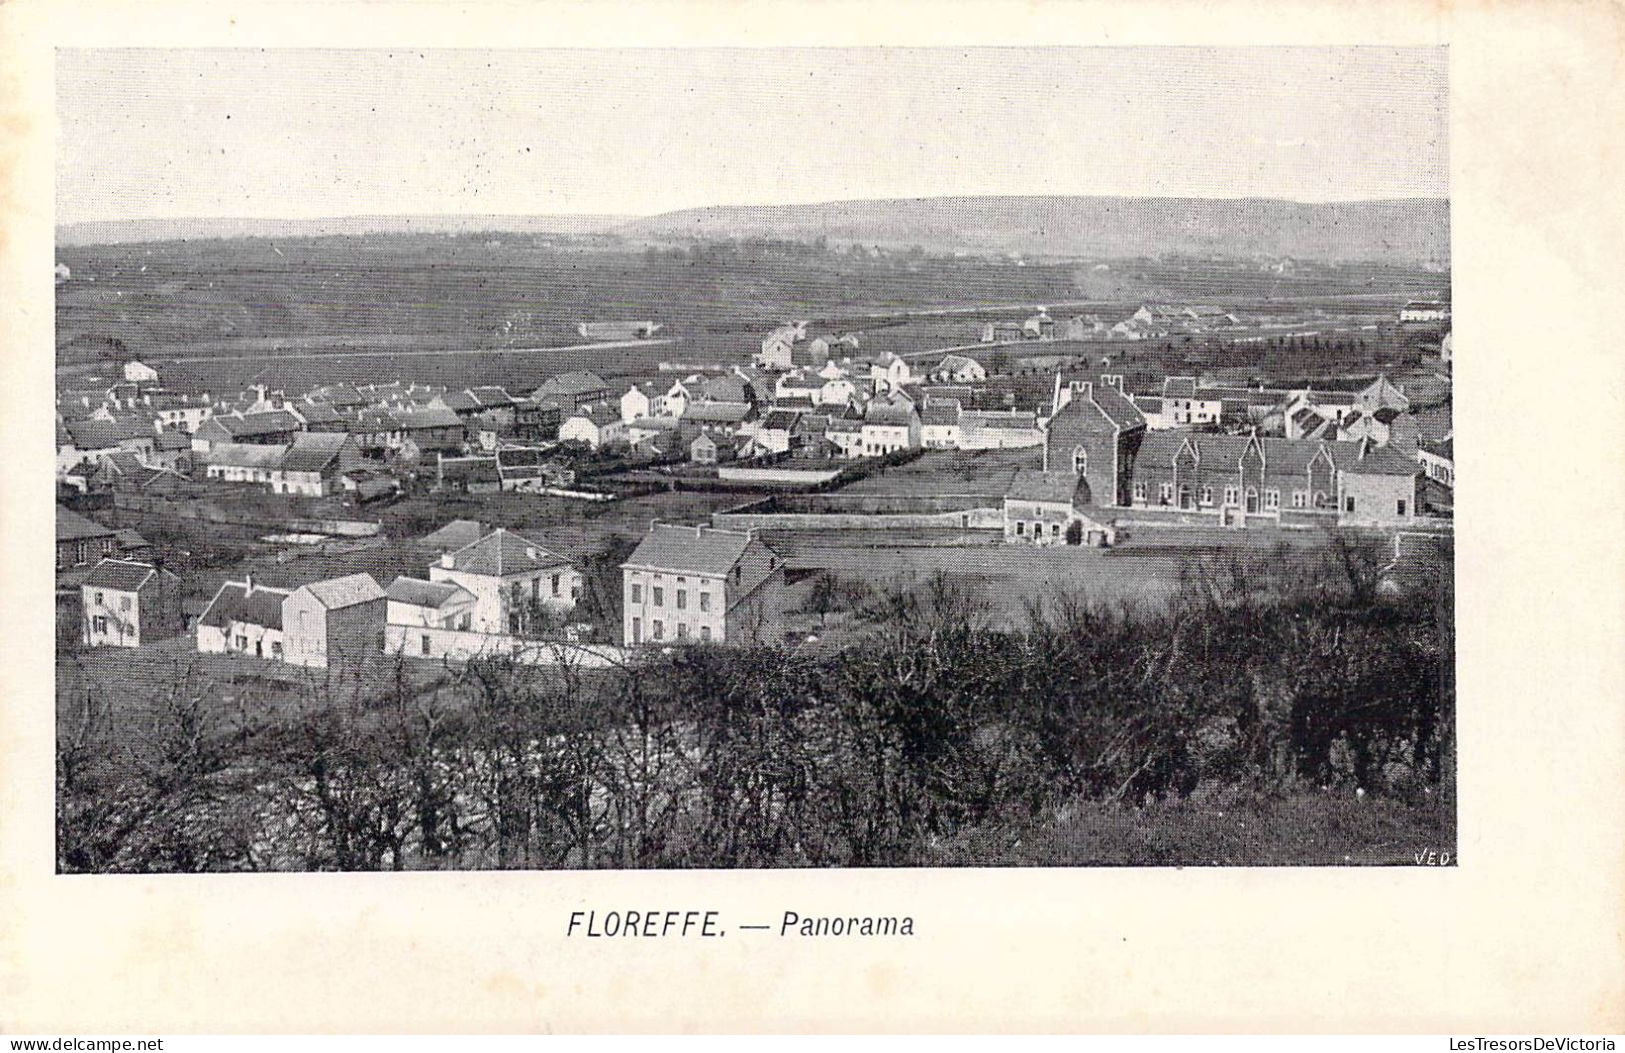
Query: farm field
{"type": "Point", "coordinates": [253, 304]}
{"type": "Point", "coordinates": [950, 472]}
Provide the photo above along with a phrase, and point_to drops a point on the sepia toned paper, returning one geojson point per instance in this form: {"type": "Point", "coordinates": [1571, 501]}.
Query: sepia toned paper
{"type": "Point", "coordinates": [1525, 934]}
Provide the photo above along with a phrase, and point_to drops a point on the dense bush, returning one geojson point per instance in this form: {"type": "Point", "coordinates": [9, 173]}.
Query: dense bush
{"type": "Point", "coordinates": [934, 739]}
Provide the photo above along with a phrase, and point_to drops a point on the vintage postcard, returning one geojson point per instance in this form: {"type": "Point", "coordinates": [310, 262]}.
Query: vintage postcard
{"type": "Point", "coordinates": [753, 500]}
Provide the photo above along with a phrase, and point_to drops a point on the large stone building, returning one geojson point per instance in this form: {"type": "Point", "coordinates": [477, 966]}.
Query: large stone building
{"type": "Point", "coordinates": [698, 584]}
{"type": "Point", "coordinates": [1098, 435]}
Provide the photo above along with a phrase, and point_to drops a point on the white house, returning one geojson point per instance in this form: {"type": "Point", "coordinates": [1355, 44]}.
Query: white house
{"type": "Point", "coordinates": [959, 369]}
{"type": "Point", "coordinates": [698, 584]}
{"type": "Point", "coordinates": [423, 604]}
{"type": "Point", "coordinates": [127, 604]}
{"type": "Point", "coordinates": [596, 424]}
{"type": "Point", "coordinates": [512, 579]}
{"type": "Point", "coordinates": [889, 373]}
{"type": "Point", "coordinates": [890, 425]}
{"type": "Point", "coordinates": [243, 618]}
{"type": "Point", "coordinates": [939, 424]}
{"type": "Point", "coordinates": [635, 405]}
{"type": "Point", "coordinates": [837, 392]}
{"type": "Point", "coordinates": [332, 622]}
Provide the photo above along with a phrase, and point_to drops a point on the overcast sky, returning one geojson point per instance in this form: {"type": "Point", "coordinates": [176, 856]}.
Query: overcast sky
{"type": "Point", "coordinates": [306, 133]}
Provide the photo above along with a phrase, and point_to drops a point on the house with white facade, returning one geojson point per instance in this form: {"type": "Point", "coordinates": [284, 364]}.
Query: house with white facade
{"type": "Point", "coordinates": [244, 617]}
{"type": "Point", "coordinates": [699, 584]}
{"type": "Point", "coordinates": [635, 405]}
{"type": "Point", "coordinates": [420, 604]}
{"type": "Point", "coordinates": [337, 622]}
{"type": "Point", "coordinates": [596, 424]}
{"type": "Point", "coordinates": [128, 604]}
{"type": "Point", "coordinates": [514, 581]}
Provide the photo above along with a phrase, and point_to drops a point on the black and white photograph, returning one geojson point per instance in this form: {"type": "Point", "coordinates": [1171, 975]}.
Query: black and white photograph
{"type": "Point", "coordinates": [753, 458]}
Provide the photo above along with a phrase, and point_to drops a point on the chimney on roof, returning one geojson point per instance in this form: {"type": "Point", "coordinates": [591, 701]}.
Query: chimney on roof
{"type": "Point", "coordinates": [248, 584]}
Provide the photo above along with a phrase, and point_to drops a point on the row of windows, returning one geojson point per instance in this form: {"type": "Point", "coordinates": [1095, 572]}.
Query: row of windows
{"type": "Point", "coordinates": [658, 597]}
{"type": "Point", "coordinates": [516, 590]}
{"type": "Point", "coordinates": [1038, 529]}
{"type": "Point", "coordinates": [1232, 495]}
{"type": "Point", "coordinates": [657, 631]}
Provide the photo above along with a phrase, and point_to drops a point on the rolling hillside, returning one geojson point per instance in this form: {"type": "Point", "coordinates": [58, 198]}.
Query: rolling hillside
{"type": "Point", "coordinates": [1398, 231]}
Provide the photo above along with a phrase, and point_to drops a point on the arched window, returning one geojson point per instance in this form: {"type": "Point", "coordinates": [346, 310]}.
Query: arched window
{"type": "Point", "coordinates": [1080, 461]}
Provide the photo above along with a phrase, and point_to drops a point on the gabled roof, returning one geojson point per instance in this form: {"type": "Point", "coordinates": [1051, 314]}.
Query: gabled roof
{"type": "Point", "coordinates": [502, 553]}
{"type": "Point", "coordinates": [889, 414]}
{"type": "Point", "coordinates": [71, 526]}
{"type": "Point", "coordinates": [122, 575]}
{"type": "Point", "coordinates": [717, 412]}
{"type": "Point", "coordinates": [599, 413]}
{"type": "Point", "coordinates": [1032, 485]}
{"type": "Point", "coordinates": [954, 363]}
{"type": "Point", "coordinates": [236, 603]}
{"type": "Point", "coordinates": [338, 593]}
{"type": "Point", "coordinates": [313, 451]}
{"type": "Point", "coordinates": [270, 422]}
{"type": "Point", "coordinates": [1179, 387]}
{"type": "Point", "coordinates": [694, 549]}
{"type": "Point", "coordinates": [92, 434]}
{"type": "Point", "coordinates": [422, 593]}
{"type": "Point", "coordinates": [573, 383]}
{"type": "Point", "coordinates": [939, 412]}
{"type": "Point", "coordinates": [245, 455]}
{"type": "Point", "coordinates": [460, 400]}
{"type": "Point", "coordinates": [492, 396]}
{"type": "Point", "coordinates": [780, 419]}
{"type": "Point", "coordinates": [318, 413]}
{"type": "Point", "coordinates": [455, 534]}
{"type": "Point", "coordinates": [171, 441]}
{"type": "Point", "coordinates": [426, 417]}
{"type": "Point", "coordinates": [1117, 407]}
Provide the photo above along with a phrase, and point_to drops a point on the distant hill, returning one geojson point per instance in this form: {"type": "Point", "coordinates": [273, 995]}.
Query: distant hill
{"type": "Point", "coordinates": [1408, 231]}
{"type": "Point", "coordinates": [119, 232]}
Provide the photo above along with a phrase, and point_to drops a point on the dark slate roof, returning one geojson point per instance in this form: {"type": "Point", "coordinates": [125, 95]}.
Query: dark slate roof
{"type": "Point", "coordinates": [422, 593]}
{"type": "Point", "coordinates": [461, 400]}
{"type": "Point", "coordinates": [234, 603]}
{"type": "Point", "coordinates": [318, 413]}
{"type": "Point", "coordinates": [940, 412]}
{"type": "Point", "coordinates": [455, 534]}
{"type": "Point", "coordinates": [1179, 388]}
{"type": "Point", "coordinates": [1117, 407]}
{"type": "Point", "coordinates": [574, 383]}
{"type": "Point", "coordinates": [502, 552]}
{"type": "Point", "coordinates": [780, 419]}
{"type": "Point", "coordinates": [313, 450]}
{"type": "Point", "coordinates": [172, 441]}
{"type": "Point", "coordinates": [889, 414]}
{"type": "Point", "coordinates": [697, 550]}
{"type": "Point", "coordinates": [1032, 485]}
{"type": "Point", "coordinates": [270, 422]}
{"type": "Point", "coordinates": [71, 526]}
{"type": "Point", "coordinates": [122, 575]}
{"type": "Point", "coordinates": [717, 412]}
{"type": "Point", "coordinates": [92, 434]}
{"type": "Point", "coordinates": [426, 417]}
